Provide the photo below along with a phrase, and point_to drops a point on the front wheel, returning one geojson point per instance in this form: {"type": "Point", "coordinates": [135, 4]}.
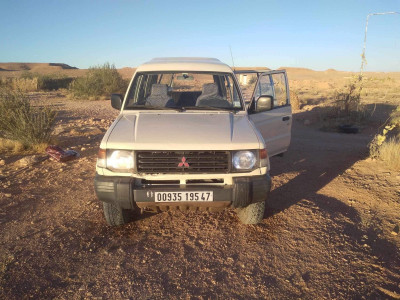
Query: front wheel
{"type": "Point", "coordinates": [251, 214]}
{"type": "Point", "coordinates": [115, 215]}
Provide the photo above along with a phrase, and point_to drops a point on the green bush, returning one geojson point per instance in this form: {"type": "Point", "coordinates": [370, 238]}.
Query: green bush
{"type": "Point", "coordinates": [22, 122]}
{"type": "Point", "coordinates": [99, 81]}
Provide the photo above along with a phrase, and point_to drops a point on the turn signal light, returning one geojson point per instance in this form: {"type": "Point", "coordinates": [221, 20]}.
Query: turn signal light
{"type": "Point", "coordinates": [101, 158]}
{"type": "Point", "coordinates": [101, 154]}
{"type": "Point", "coordinates": [263, 154]}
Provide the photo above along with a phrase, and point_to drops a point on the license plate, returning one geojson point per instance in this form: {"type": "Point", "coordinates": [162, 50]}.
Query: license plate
{"type": "Point", "coordinates": [183, 196]}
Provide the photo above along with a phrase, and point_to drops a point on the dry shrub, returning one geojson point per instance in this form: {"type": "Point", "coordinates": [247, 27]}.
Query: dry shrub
{"type": "Point", "coordinates": [47, 82]}
{"type": "Point", "coordinates": [99, 81]}
{"type": "Point", "coordinates": [252, 80]}
{"type": "Point", "coordinates": [11, 146]}
{"type": "Point", "coordinates": [23, 123]}
{"type": "Point", "coordinates": [386, 146]}
{"type": "Point", "coordinates": [395, 117]}
{"type": "Point", "coordinates": [20, 84]}
{"type": "Point", "coordinates": [294, 100]}
{"type": "Point", "coordinates": [347, 108]}
{"type": "Point", "coordinates": [389, 152]}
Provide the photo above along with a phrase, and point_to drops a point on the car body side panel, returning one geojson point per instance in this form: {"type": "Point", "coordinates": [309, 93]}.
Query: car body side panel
{"type": "Point", "coordinates": [275, 128]}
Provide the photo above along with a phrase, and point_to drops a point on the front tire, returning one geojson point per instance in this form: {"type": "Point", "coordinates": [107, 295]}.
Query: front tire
{"type": "Point", "coordinates": [115, 215]}
{"type": "Point", "coordinates": [251, 214]}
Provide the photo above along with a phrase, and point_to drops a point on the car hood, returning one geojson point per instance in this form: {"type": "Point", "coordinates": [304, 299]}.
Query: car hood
{"type": "Point", "coordinates": [181, 131]}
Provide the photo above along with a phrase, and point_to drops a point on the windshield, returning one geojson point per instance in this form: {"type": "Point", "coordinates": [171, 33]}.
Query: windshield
{"type": "Point", "coordinates": [183, 90]}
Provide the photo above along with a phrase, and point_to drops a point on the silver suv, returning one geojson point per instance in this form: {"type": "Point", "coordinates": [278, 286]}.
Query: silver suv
{"type": "Point", "coordinates": [186, 139]}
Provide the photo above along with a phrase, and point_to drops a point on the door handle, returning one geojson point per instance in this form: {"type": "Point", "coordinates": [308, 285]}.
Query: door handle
{"type": "Point", "coordinates": [287, 118]}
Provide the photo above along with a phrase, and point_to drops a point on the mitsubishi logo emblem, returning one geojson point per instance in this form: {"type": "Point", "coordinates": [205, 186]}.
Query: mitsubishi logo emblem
{"type": "Point", "coordinates": [183, 163]}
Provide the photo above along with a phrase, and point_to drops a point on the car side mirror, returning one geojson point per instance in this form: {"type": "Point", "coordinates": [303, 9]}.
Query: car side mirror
{"type": "Point", "coordinates": [116, 101]}
{"type": "Point", "coordinates": [264, 103]}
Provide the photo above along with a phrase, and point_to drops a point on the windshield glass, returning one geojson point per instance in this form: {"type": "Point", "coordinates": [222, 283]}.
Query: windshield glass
{"type": "Point", "coordinates": [183, 90]}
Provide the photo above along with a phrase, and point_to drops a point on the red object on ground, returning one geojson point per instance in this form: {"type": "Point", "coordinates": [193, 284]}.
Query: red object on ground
{"type": "Point", "coordinates": [61, 155]}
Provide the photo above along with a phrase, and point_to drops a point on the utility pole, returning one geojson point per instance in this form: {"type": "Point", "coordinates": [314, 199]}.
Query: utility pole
{"type": "Point", "coordinates": [363, 60]}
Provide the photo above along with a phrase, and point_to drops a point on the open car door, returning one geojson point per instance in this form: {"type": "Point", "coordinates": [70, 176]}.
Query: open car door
{"type": "Point", "coordinates": [270, 110]}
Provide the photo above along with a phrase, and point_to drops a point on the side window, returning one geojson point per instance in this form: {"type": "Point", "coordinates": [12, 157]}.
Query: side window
{"type": "Point", "coordinates": [141, 89]}
{"type": "Point", "coordinates": [264, 87]}
{"type": "Point", "coordinates": [272, 85]}
{"type": "Point", "coordinates": [135, 93]}
{"type": "Point", "coordinates": [279, 81]}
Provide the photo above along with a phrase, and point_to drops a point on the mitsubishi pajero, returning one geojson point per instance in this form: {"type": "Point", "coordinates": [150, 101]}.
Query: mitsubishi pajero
{"type": "Point", "coordinates": [186, 139]}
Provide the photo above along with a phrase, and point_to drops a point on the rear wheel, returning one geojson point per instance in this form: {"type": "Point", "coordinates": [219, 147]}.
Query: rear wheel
{"type": "Point", "coordinates": [115, 215]}
{"type": "Point", "coordinates": [251, 214]}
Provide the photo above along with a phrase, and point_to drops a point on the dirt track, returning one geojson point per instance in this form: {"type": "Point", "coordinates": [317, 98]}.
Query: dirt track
{"type": "Point", "coordinates": [329, 232]}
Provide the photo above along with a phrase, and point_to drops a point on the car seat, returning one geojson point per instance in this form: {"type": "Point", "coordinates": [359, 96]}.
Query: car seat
{"type": "Point", "coordinates": [210, 97]}
{"type": "Point", "coordinates": [159, 96]}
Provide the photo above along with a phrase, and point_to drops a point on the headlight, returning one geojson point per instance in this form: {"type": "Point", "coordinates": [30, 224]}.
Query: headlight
{"type": "Point", "coordinates": [116, 160]}
{"type": "Point", "coordinates": [244, 160]}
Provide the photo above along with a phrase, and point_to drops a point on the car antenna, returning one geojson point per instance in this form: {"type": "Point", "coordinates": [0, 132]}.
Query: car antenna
{"type": "Point", "coordinates": [233, 63]}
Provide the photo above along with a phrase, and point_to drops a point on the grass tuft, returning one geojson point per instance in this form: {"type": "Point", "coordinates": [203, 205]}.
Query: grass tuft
{"type": "Point", "coordinates": [11, 146]}
{"type": "Point", "coordinates": [389, 152]}
{"type": "Point", "coordinates": [24, 125]}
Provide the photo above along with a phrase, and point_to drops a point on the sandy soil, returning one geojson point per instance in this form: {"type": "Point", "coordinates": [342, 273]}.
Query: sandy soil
{"type": "Point", "coordinates": [330, 231]}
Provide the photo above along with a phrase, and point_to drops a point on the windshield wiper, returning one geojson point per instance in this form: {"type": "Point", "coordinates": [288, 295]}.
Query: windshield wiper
{"type": "Point", "coordinates": [147, 107]}
{"type": "Point", "coordinates": [205, 107]}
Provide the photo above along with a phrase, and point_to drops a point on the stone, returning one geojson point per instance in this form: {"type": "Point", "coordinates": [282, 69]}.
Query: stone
{"type": "Point", "coordinates": [307, 122]}
{"type": "Point", "coordinates": [28, 160]}
{"type": "Point", "coordinates": [85, 131]}
{"type": "Point", "coordinates": [58, 130]}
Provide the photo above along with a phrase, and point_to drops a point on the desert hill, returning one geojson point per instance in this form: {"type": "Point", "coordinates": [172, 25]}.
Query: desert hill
{"type": "Point", "coordinates": [12, 69]}
{"type": "Point", "coordinates": [36, 67]}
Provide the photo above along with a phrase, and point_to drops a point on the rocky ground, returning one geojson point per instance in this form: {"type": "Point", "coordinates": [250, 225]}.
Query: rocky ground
{"type": "Point", "coordinates": [330, 231]}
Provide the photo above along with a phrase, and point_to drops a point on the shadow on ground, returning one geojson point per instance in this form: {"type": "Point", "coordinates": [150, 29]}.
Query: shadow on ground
{"type": "Point", "coordinates": [314, 159]}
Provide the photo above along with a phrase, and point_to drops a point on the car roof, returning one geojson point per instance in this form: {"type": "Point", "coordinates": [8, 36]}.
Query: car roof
{"type": "Point", "coordinates": [184, 64]}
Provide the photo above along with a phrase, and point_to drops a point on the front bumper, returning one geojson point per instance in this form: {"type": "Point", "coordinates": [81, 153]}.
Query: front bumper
{"type": "Point", "coordinates": [130, 193]}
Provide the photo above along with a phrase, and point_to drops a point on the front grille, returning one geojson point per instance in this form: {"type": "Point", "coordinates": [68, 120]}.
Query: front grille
{"type": "Point", "coordinates": [183, 161]}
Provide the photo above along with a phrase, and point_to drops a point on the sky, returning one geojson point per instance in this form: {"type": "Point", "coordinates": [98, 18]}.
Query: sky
{"type": "Point", "coordinates": [318, 35]}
